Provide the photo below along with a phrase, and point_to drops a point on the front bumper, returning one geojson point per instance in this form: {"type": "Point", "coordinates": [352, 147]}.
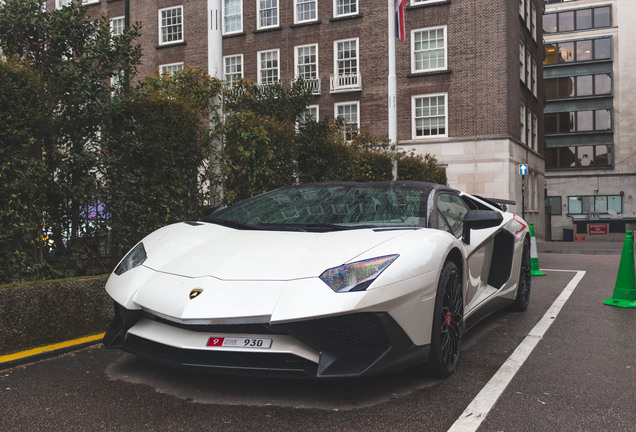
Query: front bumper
{"type": "Point", "coordinates": [341, 346]}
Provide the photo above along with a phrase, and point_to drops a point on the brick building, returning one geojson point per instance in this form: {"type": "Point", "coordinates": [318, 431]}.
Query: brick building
{"type": "Point", "coordinates": [469, 76]}
{"type": "Point", "coordinates": [590, 76]}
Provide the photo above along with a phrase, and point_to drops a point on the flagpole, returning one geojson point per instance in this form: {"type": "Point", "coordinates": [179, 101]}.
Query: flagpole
{"type": "Point", "coordinates": [392, 84]}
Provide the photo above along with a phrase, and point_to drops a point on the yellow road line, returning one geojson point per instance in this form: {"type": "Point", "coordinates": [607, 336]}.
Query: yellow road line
{"type": "Point", "coordinates": [35, 351]}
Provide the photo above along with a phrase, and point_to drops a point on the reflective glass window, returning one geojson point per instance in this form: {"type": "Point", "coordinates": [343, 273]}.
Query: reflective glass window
{"type": "Point", "coordinates": [584, 50]}
{"type": "Point", "coordinates": [584, 121]}
{"type": "Point", "coordinates": [602, 17]}
{"type": "Point", "coordinates": [602, 84]}
{"type": "Point", "coordinates": [566, 52]}
{"type": "Point", "coordinates": [566, 21]}
{"type": "Point", "coordinates": [585, 85]}
{"type": "Point", "coordinates": [584, 19]}
{"type": "Point", "coordinates": [602, 49]}
{"type": "Point", "coordinates": [550, 23]}
{"type": "Point", "coordinates": [603, 120]}
{"type": "Point", "coordinates": [585, 155]}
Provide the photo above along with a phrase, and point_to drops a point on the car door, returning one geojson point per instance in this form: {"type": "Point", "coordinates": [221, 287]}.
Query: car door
{"type": "Point", "coordinates": [452, 210]}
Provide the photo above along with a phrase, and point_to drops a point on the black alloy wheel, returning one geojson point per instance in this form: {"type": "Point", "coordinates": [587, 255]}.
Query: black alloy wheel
{"type": "Point", "coordinates": [448, 322]}
{"type": "Point", "coordinates": [522, 298]}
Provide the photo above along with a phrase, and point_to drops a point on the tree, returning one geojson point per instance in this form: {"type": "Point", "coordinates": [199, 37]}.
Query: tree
{"type": "Point", "coordinates": [77, 60]}
{"type": "Point", "coordinates": [156, 155]}
{"type": "Point", "coordinates": [23, 242]}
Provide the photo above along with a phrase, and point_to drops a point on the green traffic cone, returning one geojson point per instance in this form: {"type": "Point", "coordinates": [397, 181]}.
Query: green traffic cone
{"type": "Point", "coordinates": [534, 256]}
{"type": "Point", "coordinates": [625, 289]}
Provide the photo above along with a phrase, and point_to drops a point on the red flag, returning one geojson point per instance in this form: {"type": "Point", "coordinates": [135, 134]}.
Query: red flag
{"type": "Point", "coordinates": [399, 19]}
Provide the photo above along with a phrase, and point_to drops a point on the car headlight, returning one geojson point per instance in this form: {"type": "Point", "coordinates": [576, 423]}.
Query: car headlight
{"type": "Point", "coordinates": [356, 276]}
{"type": "Point", "coordinates": [134, 258]}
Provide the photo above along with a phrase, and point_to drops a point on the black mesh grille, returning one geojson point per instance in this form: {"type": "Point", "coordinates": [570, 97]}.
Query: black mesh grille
{"type": "Point", "coordinates": [349, 333]}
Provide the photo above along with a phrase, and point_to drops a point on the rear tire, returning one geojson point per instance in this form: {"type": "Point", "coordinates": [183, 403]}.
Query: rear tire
{"type": "Point", "coordinates": [448, 322]}
{"type": "Point", "coordinates": [522, 299]}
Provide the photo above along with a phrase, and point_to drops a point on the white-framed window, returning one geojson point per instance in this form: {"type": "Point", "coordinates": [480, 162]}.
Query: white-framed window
{"type": "Point", "coordinates": [61, 3]}
{"type": "Point", "coordinates": [534, 22]}
{"type": "Point", "coordinates": [429, 115]}
{"type": "Point", "coordinates": [232, 69]}
{"type": "Point", "coordinates": [170, 68]}
{"type": "Point", "coordinates": [522, 8]}
{"type": "Point", "coordinates": [87, 2]}
{"type": "Point", "coordinates": [534, 78]}
{"type": "Point", "coordinates": [306, 65]}
{"type": "Point", "coordinates": [268, 67]}
{"type": "Point", "coordinates": [310, 114]}
{"type": "Point", "coordinates": [528, 2]}
{"type": "Point", "coordinates": [522, 118]}
{"type": "Point", "coordinates": [535, 132]}
{"type": "Point", "coordinates": [232, 16]}
{"type": "Point", "coordinates": [346, 58]}
{"type": "Point", "coordinates": [528, 127]}
{"type": "Point", "coordinates": [522, 62]}
{"type": "Point", "coordinates": [349, 112]}
{"type": "Point", "coordinates": [117, 25]}
{"type": "Point", "coordinates": [267, 13]}
{"type": "Point", "coordinates": [345, 7]}
{"type": "Point", "coordinates": [528, 70]}
{"type": "Point", "coordinates": [305, 11]}
{"type": "Point", "coordinates": [171, 25]}
{"type": "Point", "coordinates": [428, 49]}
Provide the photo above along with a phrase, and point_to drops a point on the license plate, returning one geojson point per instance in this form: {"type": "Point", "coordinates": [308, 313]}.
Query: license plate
{"type": "Point", "coordinates": [225, 342]}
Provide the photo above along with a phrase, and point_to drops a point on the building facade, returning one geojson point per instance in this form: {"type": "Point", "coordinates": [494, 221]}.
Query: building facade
{"type": "Point", "coordinates": [469, 76]}
{"type": "Point", "coordinates": [590, 133]}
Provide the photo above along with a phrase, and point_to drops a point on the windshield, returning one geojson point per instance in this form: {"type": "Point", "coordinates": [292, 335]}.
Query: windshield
{"type": "Point", "coordinates": [331, 207]}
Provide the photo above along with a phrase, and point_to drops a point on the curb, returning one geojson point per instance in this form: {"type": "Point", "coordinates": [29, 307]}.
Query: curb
{"type": "Point", "coordinates": [20, 358]}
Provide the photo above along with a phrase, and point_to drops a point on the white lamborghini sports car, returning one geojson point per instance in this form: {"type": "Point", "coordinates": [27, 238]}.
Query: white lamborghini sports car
{"type": "Point", "coordinates": [322, 280]}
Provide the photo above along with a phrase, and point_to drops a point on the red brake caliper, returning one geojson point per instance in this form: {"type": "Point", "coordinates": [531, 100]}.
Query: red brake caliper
{"type": "Point", "coordinates": [447, 319]}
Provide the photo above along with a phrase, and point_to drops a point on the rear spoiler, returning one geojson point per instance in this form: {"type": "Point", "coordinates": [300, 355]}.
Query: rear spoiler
{"type": "Point", "coordinates": [497, 202]}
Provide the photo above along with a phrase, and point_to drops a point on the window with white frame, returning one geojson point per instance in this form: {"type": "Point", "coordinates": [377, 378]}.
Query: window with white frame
{"type": "Point", "coordinates": [346, 58]}
{"type": "Point", "coordinates": [345, 7]}
{"type": "Point", "coordinates": [528, 70]}
{"type": "Point", "coordinates": [428, 49]}
{"type": "Point", "coordinates": [267, 13]}
{"type": "Point", "coordinates": [170, 25]}
{"type": "Point", "coordinates": [528, 127]}
{"type": "Point", "coordinates": [534, 22]}
{"type": "Point", "coordinates": [170, 69]}
{"type": "Point", "coordinates": [117, 25]}
{"type": "Point", "coordinates": [528, 18]}
{"type": "Point", "coordinates": [310, 114]}
{"type": "Point", "coordinates": [522, 118]}
{"type": "Point", "coordinates": [232, 16]}
{"type": "Point", "coordinates": [232, 69]}
{"type": "Point", "coordinates": [522, 62]}
{"type": "Point", "coordinates": [268, 67]}
{"type": "Point", "coordinates": [305, 11]}
{"type": "Point", "coordinates": [429, 115]}
{"type": "Point", "coordinates": [349, 113]}
{"type": "Point", "coordinates": [522, 8]}
{"type": "Point", "coordinates": [534, 78]}
{"type": "Point", "coordinates": [86, 2]}
{"type": "Point", "coordinates": [61, 3]}
{"type": "Point", "coordinates": [535, 131]}
{"type": "Point", "coordinates": [306, 65]}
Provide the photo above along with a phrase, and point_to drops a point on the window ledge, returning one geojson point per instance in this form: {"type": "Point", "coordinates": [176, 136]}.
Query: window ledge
{"type": "Point", "coordinates": [305, 24]}
{"type": "Point", "coordinates": [423, 74]}
{"type": "Point", "coordinates": [345, 18]}
{"type": "Point", "coordinates": [169, 45]}
{"type": "Point", "coordinates": [423, 5]}
{"type": "Point", "coordinates": [231, 35]}
{"type": "Point", "coordinates": [268, 29]}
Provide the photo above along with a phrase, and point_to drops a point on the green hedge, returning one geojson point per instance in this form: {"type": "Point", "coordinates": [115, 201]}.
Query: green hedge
{"type": "Point", "coordinates": [39, 313]}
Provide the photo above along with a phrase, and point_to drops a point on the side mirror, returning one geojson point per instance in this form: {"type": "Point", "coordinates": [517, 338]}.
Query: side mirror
{"type": "Point", "coordinates": [480, 219]}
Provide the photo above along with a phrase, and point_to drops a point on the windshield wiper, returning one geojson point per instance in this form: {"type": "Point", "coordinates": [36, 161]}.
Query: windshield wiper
{"type": "Point", "coordinates": [233, 224]}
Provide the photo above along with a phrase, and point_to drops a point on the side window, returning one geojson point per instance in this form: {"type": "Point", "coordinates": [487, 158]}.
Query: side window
{"type": "Point", "coordinates": [453, 209]}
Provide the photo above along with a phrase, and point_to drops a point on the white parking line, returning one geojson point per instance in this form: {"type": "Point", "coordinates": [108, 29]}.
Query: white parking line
{"type": "Point", "coordinates": [479, 408]}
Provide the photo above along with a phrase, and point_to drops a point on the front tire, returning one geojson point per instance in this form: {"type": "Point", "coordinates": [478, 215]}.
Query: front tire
{"type": "Point", "coordinates": [448, 322]}
{"type": "Point", "coordinates": [522, 299]}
